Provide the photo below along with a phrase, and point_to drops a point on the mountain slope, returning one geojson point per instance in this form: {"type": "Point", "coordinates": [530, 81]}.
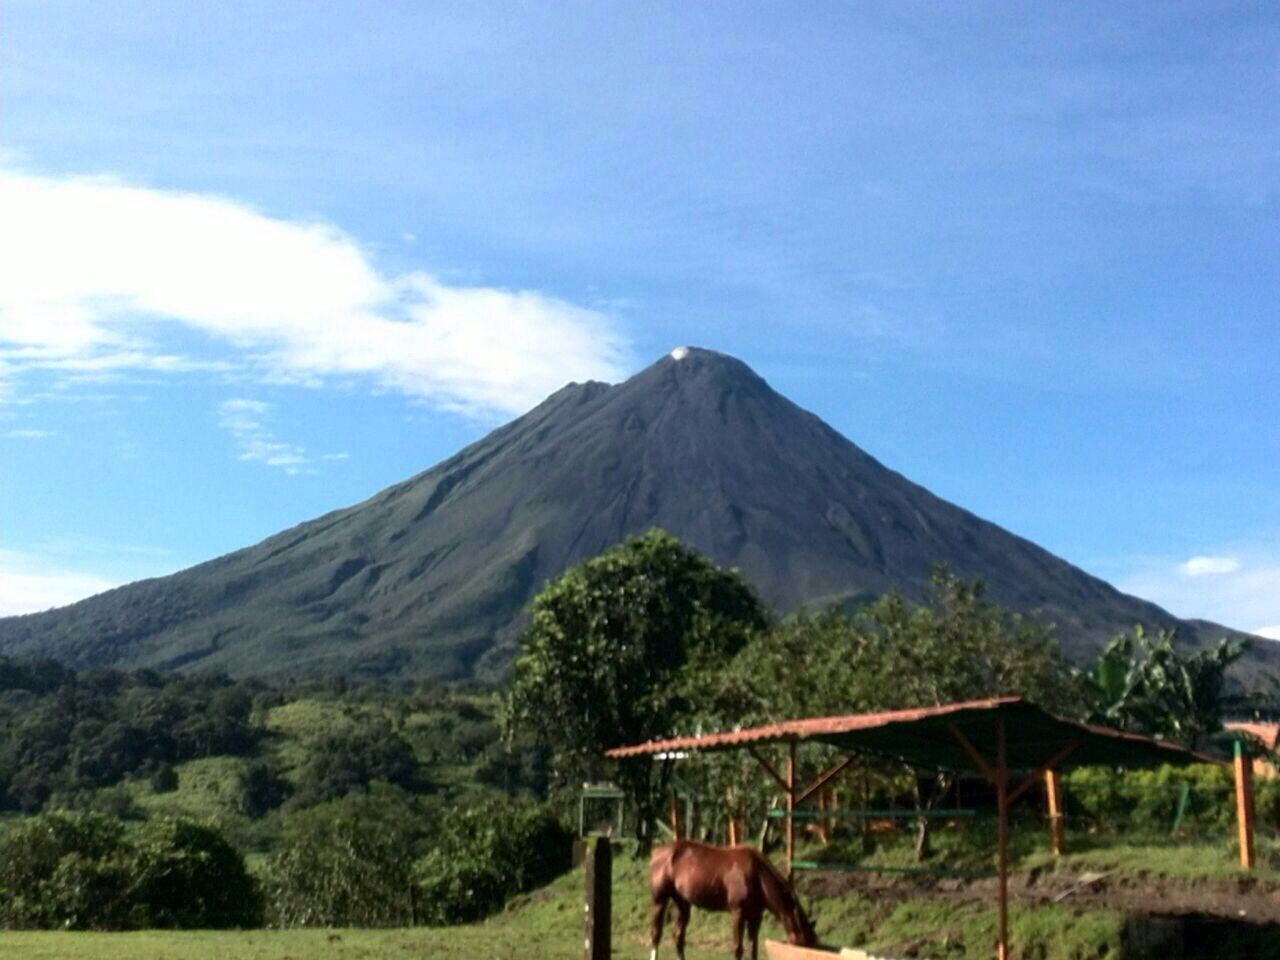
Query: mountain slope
{"type": "Point", "coordinates": [432, 575]}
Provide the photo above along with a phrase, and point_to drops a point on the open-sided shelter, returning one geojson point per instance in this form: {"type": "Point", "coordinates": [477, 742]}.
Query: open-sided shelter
{"type": "Point", "coordinates": [995, 738]}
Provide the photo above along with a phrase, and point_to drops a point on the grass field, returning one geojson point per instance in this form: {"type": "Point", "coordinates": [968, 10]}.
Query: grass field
{"type": "Point", "coordinates": [548, 924]}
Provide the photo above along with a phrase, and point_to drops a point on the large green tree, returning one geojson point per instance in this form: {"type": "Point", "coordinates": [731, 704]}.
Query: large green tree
{"type": "Point", "coordinates": [890, 654]}
{"type": "Point", "coordinates": [616, 649]}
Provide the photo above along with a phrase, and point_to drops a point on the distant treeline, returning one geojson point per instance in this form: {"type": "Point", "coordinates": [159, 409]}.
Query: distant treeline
{"type": "Point", "coordinates": [132, 798]}
{"type": "Point", "coordinates": [69, 737]}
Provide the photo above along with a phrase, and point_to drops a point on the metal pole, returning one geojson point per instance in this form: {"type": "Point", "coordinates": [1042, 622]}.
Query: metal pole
{"type": "Point", "coordinates": [1002, 819]}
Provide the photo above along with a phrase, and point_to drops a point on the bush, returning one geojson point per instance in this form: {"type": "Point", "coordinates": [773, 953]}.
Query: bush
{"type": "Point", "coordinates": [346, 862]}
{"type": "Point", "coordinates": [189, 876]}
{"type": "Point", "coordinates": [1146, 801]}
{"type": "Point", "coordinates": [485, 854]}
{"type": "Point", "coordinates": [81, 871]}
{"type": "Point", "coordinates": [67, 871]}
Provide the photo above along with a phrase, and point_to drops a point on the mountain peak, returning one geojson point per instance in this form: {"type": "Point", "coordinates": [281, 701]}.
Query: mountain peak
{"type": "Point", "coordinates": [433, 576]}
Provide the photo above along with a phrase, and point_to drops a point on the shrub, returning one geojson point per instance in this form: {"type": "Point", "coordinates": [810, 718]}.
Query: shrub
{"type": "Point", "coordinates": [1146, 801]}
{"type": "Point", "coordinates": [485, 854]}
{"type": "Point", "coordinates": [67, 870]}
{"type": "Point", "coordinates": [188, 876]}
{"type": "Point", "coordinates": [82, 871]}
{"type": "Point", "coordinates": [346, 862]}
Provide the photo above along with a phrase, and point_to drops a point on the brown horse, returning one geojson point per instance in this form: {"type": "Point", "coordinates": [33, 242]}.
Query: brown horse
{"type": "Point", "coordinates": [737, 879]}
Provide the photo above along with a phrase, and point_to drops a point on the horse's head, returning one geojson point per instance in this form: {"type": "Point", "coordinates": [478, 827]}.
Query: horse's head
{"type": "Point", "coordinates": [800, 930]}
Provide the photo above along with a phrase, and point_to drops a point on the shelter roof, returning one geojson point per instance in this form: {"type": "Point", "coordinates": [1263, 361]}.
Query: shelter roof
{"type": "Point", "coordinates": [933, 737]}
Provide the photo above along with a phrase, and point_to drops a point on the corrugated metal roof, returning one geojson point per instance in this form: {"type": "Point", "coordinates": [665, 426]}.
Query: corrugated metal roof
{"type": "Point", "coordinates": [806, 729]}
{"type": "Point", "coordinates": [1268, 733]}
{"type": "Point", "coordinates": [924, 737]}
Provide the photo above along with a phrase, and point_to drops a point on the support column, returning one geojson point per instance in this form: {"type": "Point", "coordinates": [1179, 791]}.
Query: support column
{"type": "Point", "coordinates": [1244, 804]}
{"type": "Point", "coordinates": [1002, 818]}
{"type": "Point", "coordinates": [791, 805]}
{"type": "Point", "coordinates": [1055, 811]}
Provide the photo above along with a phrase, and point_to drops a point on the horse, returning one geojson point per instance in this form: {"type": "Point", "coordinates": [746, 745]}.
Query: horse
{"type": "Point", "coordinates": [737, 879]}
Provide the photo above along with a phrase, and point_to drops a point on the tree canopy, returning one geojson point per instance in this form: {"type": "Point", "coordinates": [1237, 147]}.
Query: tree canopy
{"type": "Point", "coordinates": [618, 645]}
{"type": "Point", "coordinates": [1144, 684]}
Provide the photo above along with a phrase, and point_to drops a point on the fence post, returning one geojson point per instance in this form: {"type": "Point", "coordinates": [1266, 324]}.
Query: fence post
{"type": "Point", "coordinates": [599, 893]}
{"type": "Point", "coordinates": [1244, 804]}
{"type": "Point", "coordinates": [1055, 811]}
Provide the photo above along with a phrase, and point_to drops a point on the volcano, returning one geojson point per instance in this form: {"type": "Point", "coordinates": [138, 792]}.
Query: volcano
{"type": "Point", "coordinates": [433, 576]}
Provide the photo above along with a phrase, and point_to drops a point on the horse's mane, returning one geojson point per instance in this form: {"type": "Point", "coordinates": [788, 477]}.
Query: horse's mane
{"type": "Point", "coordinates": [779, 896]}
{"type": "Point", "coordinates": [778, 891]}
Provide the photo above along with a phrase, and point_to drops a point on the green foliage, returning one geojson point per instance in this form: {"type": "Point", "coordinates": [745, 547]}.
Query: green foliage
{"type": "Point", "coordinates": [83, 871]}
{"type": "Point", "coordinates": [350, 758]}
{"type": "Point", "coordinates": [890, 654]}
{"type": "Point", "coordinates": [262, 789]}
{"type": "Point", "coordinates": [346, 862]}
{"type": "Point", "coordinates": [69, 733]}
{"type": "Point", "coordinates": [1145, 802]}
{"type": "Point", "coordinates": [188, 876]}
{"type": "Point", "coordinates": [66, 871]}
{"type": "Point", "coordinates": [893, 654]}
{"type": "Point", "coordinates": [1144, 684]}
{"type": "Point", "coordinates": [616, 647]}
{"type": "Point", "coordinates": [482, 856]}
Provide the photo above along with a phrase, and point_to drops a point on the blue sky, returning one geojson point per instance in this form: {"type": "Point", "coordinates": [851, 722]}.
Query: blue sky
{"type": "Point", "coordinates": [259, 261]}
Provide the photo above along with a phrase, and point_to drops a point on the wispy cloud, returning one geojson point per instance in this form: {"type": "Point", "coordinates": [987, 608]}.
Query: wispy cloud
{"type": "Point", "coordinates": [30, 583]}
{"type": "Point", "coordinates": [1238, 588]}
{"type": "Point", "coordinates": [245, 421]}
{"type": "Point", "coordinates": [1208, 566]}
{"type": "Point", "coordinates": [98, 271]}
{"type": "Point", "coordinates": [29, 434]}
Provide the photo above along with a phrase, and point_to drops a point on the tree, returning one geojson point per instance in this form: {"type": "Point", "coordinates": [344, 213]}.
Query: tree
{"type": "Point", "coordinates": [1143, 684]}
{"type": "Point", "coordinates": [346, 863]}
{"type": "Point", "coordinates": [482, 855]}
{"type": "Point", "coordinates": [894, 654]}
{"type": "Point", "coordinates": [188, 876]}
{"type": "Point", "coordinates": [615, 648]}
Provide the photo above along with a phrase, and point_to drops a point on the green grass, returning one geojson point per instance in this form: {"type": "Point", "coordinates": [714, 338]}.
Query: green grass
{"type": "Point", "coordinates": [208, 789]}
{"type": "Point", "coordinates": [548, 924]}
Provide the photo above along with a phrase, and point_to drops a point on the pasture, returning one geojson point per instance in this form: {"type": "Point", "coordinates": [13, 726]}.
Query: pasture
{"type": "Point", "coordinates": [953, 921]}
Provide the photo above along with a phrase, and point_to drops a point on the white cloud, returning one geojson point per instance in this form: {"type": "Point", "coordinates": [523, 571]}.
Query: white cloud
{"type": "Point", "coordinates": [244, 420]}
{"type": "Point", "coordinates": [1240, 588]}
{"type": "Point", "coordinates": [97, 272]}
{"type": "Point", "coordinates": [1271, 633]}
{"type": "Point", "coordinates": [29, 434]}
{"type": "Point", "coordinates": [30, 583]}
{"type": "Point", "coordinates": [1203, 566]}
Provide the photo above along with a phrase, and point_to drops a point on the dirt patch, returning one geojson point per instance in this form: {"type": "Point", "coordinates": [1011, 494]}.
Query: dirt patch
{"type": "Point", "coordinates": [1239, 899]}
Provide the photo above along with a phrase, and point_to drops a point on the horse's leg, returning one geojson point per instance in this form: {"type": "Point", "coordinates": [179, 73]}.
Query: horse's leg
{"type": "Point", "coordinates": [657, 919]}
{"type": "Point", "coordinates": [682, 923]}
{"type": "Point", "coordinates": [753, 931]}
{"type": "Point", "coordinates": [738, 920]}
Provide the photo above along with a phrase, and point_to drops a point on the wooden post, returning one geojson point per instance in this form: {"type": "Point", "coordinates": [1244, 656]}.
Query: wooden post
{"type": "Point", "coordinates": [1002, 818]}
{"type": "Point", "coordinates": [733, 823]}
{"type": "Point", "coordinates": [599, 866]}
{"type": "Point", "coordinates": [1244, 804]}
{"type": "Point", "coordinates": [674, 816]}
{"type": "Point", "coordinates": [791, 805]}
{"type": "Point", "coordinates": [1055, 811]}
